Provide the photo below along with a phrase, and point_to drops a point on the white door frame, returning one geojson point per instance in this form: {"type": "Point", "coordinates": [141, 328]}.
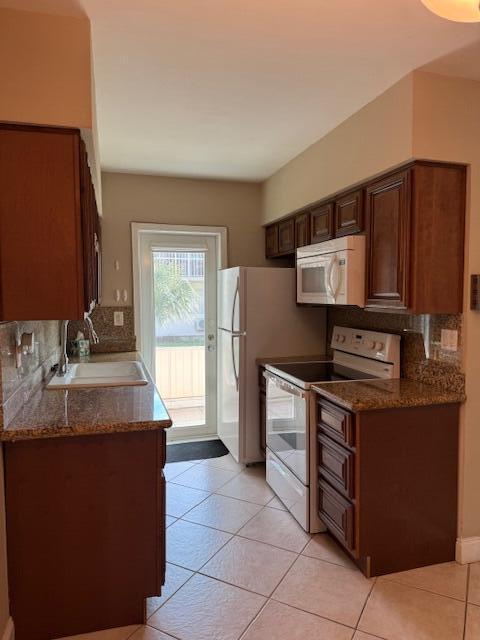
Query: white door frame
{"type": "Point", "coordinates": [142, 282]}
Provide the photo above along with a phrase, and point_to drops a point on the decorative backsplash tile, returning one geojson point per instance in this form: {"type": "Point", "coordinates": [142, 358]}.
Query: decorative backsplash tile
{"type": "Point", "coordinates": [112, 339]}
{"type": "Point", "coordinates": [422, 357]}
{"type": "Point", "coordinates": [18, 382]}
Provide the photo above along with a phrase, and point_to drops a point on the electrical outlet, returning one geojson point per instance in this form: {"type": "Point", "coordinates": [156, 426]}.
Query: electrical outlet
{"type": "Point", "coordinates": [449, 340]}
{"type": "Point", "coordinates": [118, 318]}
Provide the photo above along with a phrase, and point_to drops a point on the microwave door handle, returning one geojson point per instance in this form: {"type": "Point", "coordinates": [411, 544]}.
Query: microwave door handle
{"type": "Point", "coordinates": [328, 275]}
{"type": "Point", "coordinates": [334, 270]}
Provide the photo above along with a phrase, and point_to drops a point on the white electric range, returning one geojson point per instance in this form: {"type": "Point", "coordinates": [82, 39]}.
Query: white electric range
{"type": "Point", "coordinates": [291, 465]}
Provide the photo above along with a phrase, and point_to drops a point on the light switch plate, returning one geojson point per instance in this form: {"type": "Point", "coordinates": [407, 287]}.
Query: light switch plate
{"type": "Point", "coordinates": [118, 318]}
{"type": "Point", "coordinates": [449, 340]}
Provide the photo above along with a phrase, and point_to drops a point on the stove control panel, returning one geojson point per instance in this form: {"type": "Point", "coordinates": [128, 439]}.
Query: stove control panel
{"type": "Point", "coordinates": [370, 344]}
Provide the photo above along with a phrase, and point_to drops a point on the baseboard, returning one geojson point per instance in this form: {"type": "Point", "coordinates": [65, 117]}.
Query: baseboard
{"type": "Point", "coordinates": [467, 550]}
{"type": "Point", "coordinates": [9, 631]}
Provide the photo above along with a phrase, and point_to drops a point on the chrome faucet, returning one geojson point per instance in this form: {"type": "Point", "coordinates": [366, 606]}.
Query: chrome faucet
{"type": "Point", "coordinates": [92, 334]}
{"type": "Point", "coordinates": [63, 362]}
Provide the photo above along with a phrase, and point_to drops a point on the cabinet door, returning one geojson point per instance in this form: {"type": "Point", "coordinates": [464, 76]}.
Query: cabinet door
{"type": "Point", "coordinates": [40, 242]}
{"type": "Point", "coordinates": [271, 241]}
{"type": "Point", "coordinates": [349, 213]}
{"type": "Point", "coordinates": [286, 236]}
{"type": "Point", "coordinates": [388, 233]}
{"type": "Point", "coordinates": [302, 230]}
{"type": "Point", "coordinates": [321, 223]}
{"type": "Point", "coordinates": [89, 224]}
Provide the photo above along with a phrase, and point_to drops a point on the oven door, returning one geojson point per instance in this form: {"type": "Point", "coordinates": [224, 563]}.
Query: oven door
{"type": "Point", "coordinates": [287, 425]}
{"type": "Point", "coordinates": [318, 279]}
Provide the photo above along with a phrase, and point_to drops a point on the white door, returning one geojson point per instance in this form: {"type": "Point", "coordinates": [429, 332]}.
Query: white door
{"type": "Point", "coordinates": [177, 303]}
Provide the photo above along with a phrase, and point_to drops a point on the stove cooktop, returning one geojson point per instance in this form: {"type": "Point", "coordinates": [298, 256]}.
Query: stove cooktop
{"type": "Point", "coordinates": [305, 374]}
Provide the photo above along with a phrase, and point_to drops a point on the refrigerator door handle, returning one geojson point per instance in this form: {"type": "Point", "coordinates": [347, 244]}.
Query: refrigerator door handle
{"type": "Point", "coordinates": [234, 334]}
{"type": "Point", "coordinates": [235, 298]}
{"type": "Point", "coordinates": [235, 372]}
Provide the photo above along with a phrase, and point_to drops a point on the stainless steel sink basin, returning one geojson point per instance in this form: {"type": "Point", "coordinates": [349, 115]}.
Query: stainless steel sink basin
{"type": "Point", "coordinates": [100, 374]}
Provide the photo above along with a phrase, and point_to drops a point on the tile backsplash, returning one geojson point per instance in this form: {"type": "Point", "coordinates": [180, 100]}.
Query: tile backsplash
{"type": "Point", "coordinates": [422, 357]}
{"type": "Point", "coordinates": [112, 339]}
{"type": "Point", "coordinates": [18, 382]}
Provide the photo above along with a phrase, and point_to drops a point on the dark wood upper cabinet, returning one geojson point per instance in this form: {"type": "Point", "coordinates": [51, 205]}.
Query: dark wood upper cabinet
{"type": "Point", "coordinates": [48, 220]}
{"type": "Point", "coordinates": [321, 223]}
{"type": "Point", "coordinates": [302, 229]}
{"type": "Point", "coordinates": [388, 225]}
{"type": "Point", "coordinates": [286, 236]}
{"type": "Point", "coordinates": [415, 239]}
{"type": "Point", "coordinates": [349, 213]}
{"type": "Point", "coordinates": [414, 222]}
{"type": "Point", "coordinates": [271, 241]}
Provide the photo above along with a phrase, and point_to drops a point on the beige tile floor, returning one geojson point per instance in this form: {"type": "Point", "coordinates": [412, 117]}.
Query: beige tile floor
{"type": "Point", "coordinates": [239, 567]}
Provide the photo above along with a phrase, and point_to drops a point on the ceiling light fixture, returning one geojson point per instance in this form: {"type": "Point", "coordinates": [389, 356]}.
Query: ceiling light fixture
{"type": "Point", "coordinates": [456, 10]}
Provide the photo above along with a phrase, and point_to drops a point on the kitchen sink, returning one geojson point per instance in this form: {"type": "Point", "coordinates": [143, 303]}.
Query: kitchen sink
{"type": "Point", "coordinates": [100, 374]}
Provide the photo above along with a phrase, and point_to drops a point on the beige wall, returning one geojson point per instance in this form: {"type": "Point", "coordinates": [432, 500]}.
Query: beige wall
{"type": "Point", "coordinates": [376, 137]}
{"type": "Point", "coordinates": [138, 198]}
{"type": "Point", "coordinates": [45, 69]}
{"type": "Point", "coordinates": [447, 127]}
{"type": "Point", "coordinates": [46, 72]}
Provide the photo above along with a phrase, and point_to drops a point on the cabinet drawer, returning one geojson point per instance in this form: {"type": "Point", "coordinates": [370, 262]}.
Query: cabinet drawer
{"type": "Point", "coordinates": [336, 422]}
{"type": "Point", "coordinates": [337, 513]}
{"type": "Point", "coordinates": [337, 465]}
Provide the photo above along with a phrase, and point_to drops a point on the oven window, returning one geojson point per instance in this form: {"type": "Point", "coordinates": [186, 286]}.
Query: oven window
{"type": "Point", "coordinates": [287, 429]}
{"type": "Point", "coordinates": [313, 279]}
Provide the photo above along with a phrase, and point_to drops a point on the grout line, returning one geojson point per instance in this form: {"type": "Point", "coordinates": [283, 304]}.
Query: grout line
{"type": "Point", "coordinates": [317, 615]}
{"type": "Point", "coordinates": [134, 632]}
{"type": "Point", "coordinates": [365, 604]}
{"type": "Point", "coordinates": [175, 481]}
{"type": "Point", "coordinates": [385, 578]}
{"type": "Point", "coordinates": [250, 624]}
{"type": "Point", "coordinates": [174, 592]}
{"type": "Point", "coordinates": [246, 588]}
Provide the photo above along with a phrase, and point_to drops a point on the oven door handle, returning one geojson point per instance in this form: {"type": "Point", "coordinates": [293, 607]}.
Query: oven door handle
{"type": "Point", "coordinates": [284, 386]}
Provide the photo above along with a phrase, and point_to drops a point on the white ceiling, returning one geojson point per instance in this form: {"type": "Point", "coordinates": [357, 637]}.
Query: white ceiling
{"type": "Point", "coordinates": [236, 88]}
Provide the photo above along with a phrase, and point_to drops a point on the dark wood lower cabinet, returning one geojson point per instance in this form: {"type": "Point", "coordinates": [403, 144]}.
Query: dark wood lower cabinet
{"type": "Point", "coordinates": [389, 495]}
{"type": "Point", "coordinates": [85, 531]}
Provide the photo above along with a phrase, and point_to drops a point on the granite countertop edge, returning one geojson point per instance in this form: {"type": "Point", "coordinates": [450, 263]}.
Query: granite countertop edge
{"type": "Point", "coordinates": [385, 394]}
{"type": "Point", "coordinates": [18, 430]}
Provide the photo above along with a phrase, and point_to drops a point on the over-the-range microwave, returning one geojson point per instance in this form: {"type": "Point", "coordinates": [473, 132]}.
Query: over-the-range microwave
{"type": "Point", "coordinates": [332, 272]}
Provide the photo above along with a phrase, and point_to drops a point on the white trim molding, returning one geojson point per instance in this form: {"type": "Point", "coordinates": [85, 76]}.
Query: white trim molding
{"type": "Point", "coordinates": [9, 631]}
{"type": "Point", "coordinates": [468, 550]}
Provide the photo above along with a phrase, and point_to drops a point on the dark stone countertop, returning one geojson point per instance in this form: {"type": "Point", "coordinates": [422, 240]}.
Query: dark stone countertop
{"type": "Point", "coordinates": [77, 412]}
{"type": "Point", "coordinates": [369, 395]}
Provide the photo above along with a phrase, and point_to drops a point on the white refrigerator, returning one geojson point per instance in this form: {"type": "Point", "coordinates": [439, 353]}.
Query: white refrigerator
{"type": "Point", "coordinates": [257, 318]}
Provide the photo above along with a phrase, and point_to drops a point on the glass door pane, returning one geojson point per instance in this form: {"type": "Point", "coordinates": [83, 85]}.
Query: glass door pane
{"type": "Point", "coordinates": [179, 308]}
